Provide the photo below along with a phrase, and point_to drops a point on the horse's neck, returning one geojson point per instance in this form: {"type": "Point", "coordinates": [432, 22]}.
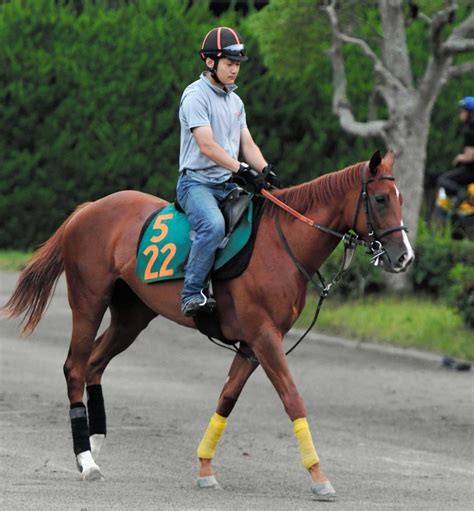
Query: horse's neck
{"type": "Point", "coordinates": [310, 245]}
{"type": "Point", "coordinates": [321, 200]}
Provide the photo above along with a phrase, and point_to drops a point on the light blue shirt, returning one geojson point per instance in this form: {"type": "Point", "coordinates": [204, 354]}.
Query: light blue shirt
{"type": "Point", "coordinates": [204, 104]}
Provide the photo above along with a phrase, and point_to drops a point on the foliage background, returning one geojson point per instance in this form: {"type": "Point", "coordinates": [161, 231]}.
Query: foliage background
{"type": "Point", "coordinates": [89, 101]}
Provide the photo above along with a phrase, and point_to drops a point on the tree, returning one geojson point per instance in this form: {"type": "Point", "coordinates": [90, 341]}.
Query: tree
{"type": "Point", "coordinates": [403, 100]}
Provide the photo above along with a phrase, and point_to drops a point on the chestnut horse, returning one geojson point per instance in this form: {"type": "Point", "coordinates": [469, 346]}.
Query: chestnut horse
{"type": "Point", "coordinates": [96, 247]}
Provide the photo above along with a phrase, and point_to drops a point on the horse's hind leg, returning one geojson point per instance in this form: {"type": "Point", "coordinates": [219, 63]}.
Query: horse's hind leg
{"type": "Point", "coordinates": [129, 316]}
{"type": "Point", "coordinates": [239, 372]}
{"type": "Point", "coordinates": [86, 321]}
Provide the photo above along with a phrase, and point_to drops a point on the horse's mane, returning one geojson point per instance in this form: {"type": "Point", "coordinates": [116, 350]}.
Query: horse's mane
{"type": "Point", "coordinates": [324, 189]}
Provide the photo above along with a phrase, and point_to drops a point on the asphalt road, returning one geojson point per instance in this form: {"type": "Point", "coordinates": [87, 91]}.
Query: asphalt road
{"type": "Point", "coordinates": [393, 432]}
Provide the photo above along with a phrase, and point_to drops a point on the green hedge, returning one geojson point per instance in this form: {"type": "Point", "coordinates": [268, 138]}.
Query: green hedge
{"type": "Point", "coordinates": [445, 268]}
{"type": "Point", "coordinates": [436, 256]}
{"type": "Point", "coordinates": [90, 105]}
{"type": "Point", "coordinates": [89, 102]}
{"type": "Point", "coordinates": [461, 292]}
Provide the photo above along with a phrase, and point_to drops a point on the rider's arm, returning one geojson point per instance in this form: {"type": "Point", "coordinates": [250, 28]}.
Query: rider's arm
{"type": "Point", "coordinates": [205, 140]}
{"type": "Point", "coordinates": [465, 157]}
{"type": "Point", "coordinates": [250, 151]}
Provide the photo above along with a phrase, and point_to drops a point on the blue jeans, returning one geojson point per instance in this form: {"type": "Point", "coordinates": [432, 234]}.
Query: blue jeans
{"type": "Point", "coordinates": [200, 201]}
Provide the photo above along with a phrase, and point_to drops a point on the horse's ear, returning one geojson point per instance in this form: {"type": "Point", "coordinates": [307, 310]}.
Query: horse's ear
{"type": "Point", "coordinates": [374, 162]}
{"type": "Point", "coordinates": [389, 158]}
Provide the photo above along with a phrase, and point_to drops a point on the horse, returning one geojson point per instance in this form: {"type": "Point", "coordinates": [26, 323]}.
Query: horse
{"type": "Point", "coordinates": [96, 248]}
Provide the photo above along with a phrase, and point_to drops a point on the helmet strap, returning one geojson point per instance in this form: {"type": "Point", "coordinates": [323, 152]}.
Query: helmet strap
{"type": "Point", "coordinates": [213, 71]}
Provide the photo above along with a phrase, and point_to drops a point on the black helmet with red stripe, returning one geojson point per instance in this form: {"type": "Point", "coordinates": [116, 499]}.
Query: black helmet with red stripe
{"type": "Point", "coordinates": [223, 42]}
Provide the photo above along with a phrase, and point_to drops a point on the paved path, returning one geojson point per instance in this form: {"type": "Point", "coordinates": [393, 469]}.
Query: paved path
{"type": "Point", "coordinates": [392, 432]}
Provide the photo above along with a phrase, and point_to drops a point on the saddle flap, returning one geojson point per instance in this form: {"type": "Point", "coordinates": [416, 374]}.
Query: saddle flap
{"type": "Point", "coordinates": [233, 207]}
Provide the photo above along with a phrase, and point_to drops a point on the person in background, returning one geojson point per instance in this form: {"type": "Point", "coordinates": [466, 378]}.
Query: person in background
{"type": "Point", "coordinates": [454, 183]}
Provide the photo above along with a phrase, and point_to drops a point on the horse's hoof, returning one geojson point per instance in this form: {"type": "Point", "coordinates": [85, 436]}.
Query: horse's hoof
{"type": "Point", "coordinates": [88, 467]}
{"type": "Point", "coordinates": [207, 482]}
{"type": "Point", "coordinates": [323, 491]}
{"type": "Point", "coordinates": [92, 474]}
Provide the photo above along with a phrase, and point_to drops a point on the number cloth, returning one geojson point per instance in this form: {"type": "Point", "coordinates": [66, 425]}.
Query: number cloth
{"type": "Point", "coordinates": [164, 247]}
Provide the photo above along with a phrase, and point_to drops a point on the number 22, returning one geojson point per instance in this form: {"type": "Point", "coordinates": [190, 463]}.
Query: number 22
{"type": "Point", "coordinates": [164, 271]}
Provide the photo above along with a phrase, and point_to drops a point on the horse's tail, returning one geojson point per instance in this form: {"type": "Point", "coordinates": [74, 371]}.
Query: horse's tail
{"type": "Point", "coordinates": [38, 280]}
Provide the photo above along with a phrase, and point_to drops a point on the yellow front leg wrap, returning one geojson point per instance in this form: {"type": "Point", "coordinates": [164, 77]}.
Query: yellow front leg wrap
{"type": "Point", "coordinates": [309, 456]}
{"type": "Point", "coordinates": [216, 427]}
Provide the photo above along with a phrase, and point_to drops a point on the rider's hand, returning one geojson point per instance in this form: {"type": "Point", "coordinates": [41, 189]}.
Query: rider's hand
{"type": "Point", "coordinates": [458, 159]}
{"type": "Point", "coordinates": [269, 173]}
{"type": "Point", "coordinates": [252, 177]}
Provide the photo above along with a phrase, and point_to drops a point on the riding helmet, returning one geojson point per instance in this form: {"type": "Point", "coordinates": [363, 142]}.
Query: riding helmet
{"type": "Point", "coordinates": [467, 103]}
{"type": "Point", "coordinates": [223, 42]}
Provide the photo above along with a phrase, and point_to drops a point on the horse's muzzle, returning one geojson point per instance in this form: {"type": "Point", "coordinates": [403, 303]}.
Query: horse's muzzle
{"type": "Point", "coordinates": [397, 261]}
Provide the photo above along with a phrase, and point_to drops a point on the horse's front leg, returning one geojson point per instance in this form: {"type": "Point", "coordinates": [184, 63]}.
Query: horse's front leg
{"type": "Point", "coordinates": [239, 373]}
{"type": "Point", "coordinates": [270, 353]}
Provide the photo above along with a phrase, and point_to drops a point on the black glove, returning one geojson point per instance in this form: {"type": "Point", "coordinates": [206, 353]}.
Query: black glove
{"type": "Point", "coordinates": [252, 178]}
{"type": "Point", "coordinates": [269, 173]}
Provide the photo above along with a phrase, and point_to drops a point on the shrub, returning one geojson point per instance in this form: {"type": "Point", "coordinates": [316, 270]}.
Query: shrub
{"type": "Point", "coordinates": [436, 255]}
{"type": "Point", "coordinates": [90, 105]}
{"type": "Point", "coordinates": [461, 292]}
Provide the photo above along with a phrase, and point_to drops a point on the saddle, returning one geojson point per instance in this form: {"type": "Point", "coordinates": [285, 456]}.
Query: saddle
{"type": "Point", "coordinates": [233, 207]}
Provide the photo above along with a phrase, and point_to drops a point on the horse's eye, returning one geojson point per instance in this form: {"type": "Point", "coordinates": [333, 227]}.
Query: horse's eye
{"type": "Point", "coordinates": [381, 199]}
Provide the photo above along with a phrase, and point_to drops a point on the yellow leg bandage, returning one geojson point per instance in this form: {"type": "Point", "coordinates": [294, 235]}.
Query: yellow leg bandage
{"type": "Point", "coordinates": [309, 456]}
{"type": "Point", "coordinates": [211, 437]}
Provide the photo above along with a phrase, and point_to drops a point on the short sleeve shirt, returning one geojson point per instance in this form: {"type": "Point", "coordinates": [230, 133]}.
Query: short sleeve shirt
{"type": "Point", "coordinates": [204, 104]}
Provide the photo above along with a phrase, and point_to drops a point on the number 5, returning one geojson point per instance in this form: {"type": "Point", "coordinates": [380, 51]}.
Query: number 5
{"type": "Point", "coordinates": [160, 226]}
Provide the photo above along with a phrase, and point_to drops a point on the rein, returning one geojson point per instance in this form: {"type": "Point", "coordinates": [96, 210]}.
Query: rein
{"type": "Point", "coordinates": [308, 221]}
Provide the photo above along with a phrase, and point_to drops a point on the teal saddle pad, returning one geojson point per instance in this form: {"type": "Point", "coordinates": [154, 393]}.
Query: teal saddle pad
{"type": "Point", "coordinates": [165, 244]}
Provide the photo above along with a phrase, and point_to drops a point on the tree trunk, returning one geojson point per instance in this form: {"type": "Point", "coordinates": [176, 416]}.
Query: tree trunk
{"type": "Point", "coordinates": [409, 139]}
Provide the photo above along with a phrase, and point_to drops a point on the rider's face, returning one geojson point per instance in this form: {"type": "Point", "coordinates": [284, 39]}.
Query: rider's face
{"type": "Point", "coordinates": [227, 70]}
{"type": "Point", "coordinates": [463, 115]}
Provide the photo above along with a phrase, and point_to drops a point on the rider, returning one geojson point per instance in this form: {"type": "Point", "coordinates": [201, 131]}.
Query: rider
{"type": "Point", "coordinates": [213, 129]}
{"type": "Point", "coordinates": [455, 182]}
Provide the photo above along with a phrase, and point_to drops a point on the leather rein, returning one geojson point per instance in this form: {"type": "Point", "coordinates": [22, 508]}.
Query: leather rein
{"type": "Point", "coordinates": [350, 239]}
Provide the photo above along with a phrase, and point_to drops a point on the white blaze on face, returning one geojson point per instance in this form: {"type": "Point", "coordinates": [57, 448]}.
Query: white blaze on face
{"type": "Point", "coordinates": [406, 241]}
{"type": "Point", "coordinates": [398, 193]}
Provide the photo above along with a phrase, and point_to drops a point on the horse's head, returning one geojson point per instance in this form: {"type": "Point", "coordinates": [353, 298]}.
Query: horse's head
{"type": "Point", "coordinates": [378, 217]}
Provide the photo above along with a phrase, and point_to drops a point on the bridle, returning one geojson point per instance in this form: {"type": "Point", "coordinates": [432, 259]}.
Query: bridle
{"type": "Point", "coordinates": [374, 244]}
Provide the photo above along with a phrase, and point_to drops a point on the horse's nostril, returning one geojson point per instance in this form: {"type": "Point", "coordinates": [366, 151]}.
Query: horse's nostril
{"type": "Point", "coordinates": [405, 260]}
